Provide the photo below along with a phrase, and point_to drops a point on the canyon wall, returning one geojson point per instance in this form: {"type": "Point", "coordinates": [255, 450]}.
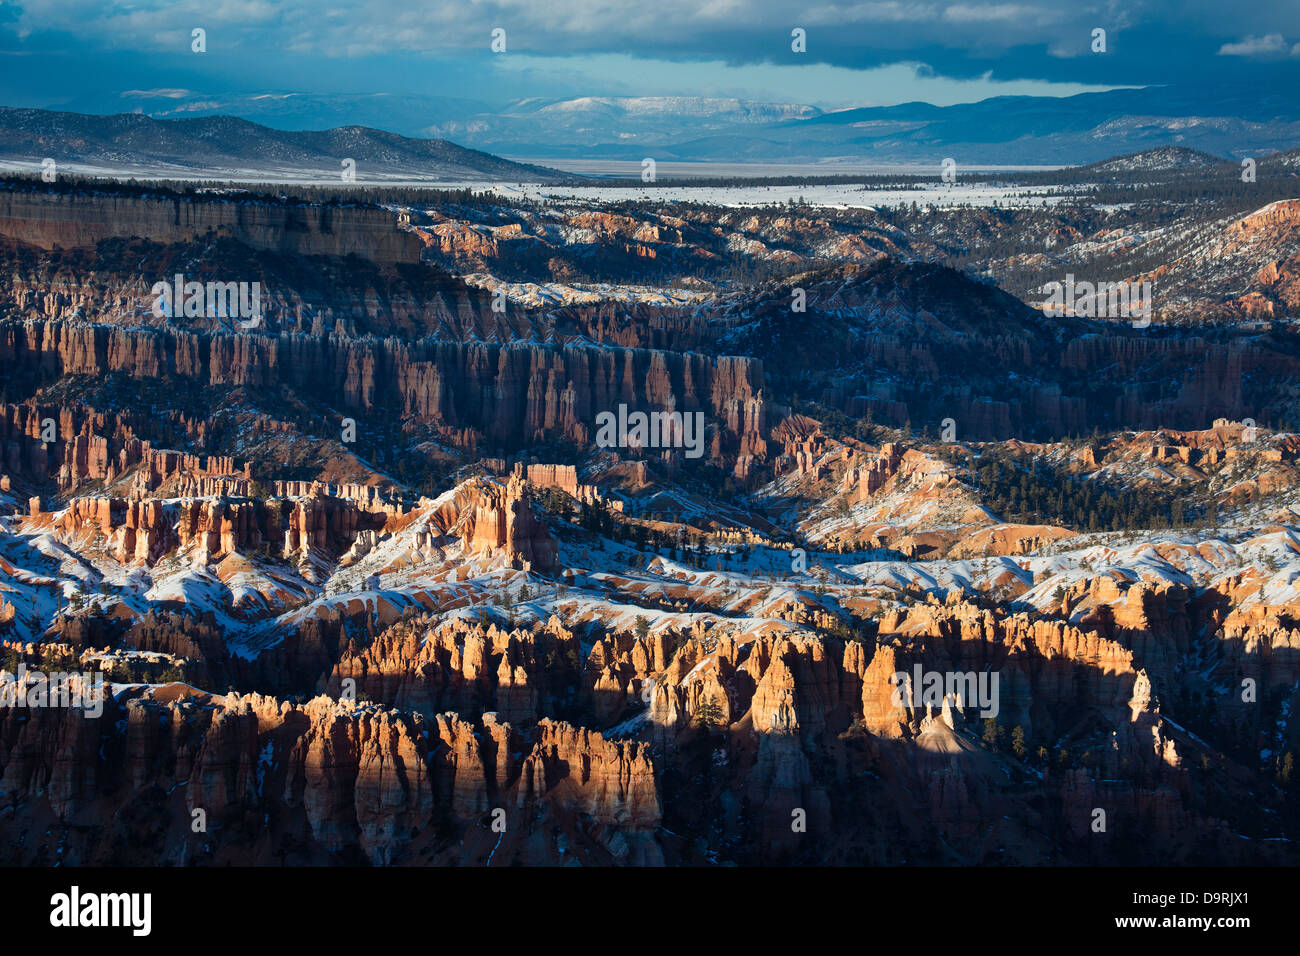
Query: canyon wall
{"type": "Point", "coordinates": [72, 220]}
{"type": "Point", "coordinates": [513, 394]}
{"type": "Point", "coordinates": [338, 782]}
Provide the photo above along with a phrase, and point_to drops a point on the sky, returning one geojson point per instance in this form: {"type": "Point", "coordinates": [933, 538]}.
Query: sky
{"type": "Point", "coordinates": [107, 55]}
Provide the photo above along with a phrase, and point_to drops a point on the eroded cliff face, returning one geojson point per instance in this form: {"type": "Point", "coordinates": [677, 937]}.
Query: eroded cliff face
{"type": "Point", "coordinates": [511, 395]}
{"type": "Point", "coordinates": [74, 220]}
{"type": "Point", "coordinates": [210, 528]}
{"type": "Point", "coordinates": [924, 344]}
{"type": "Point", "coordinates": [305, 521]}
{"type": "Point", "coordinates": [799, 722]}
{"type": "Point", "coordinates": [437, 743]}
{"type": "Point", "coordinates": [197, 778]}
{"type": "Point", "coordinates": [938, 346]}
{"type": "Point", "coordinates": [452, 630]}
{"type": "Point", "coordinates": [520, 675]}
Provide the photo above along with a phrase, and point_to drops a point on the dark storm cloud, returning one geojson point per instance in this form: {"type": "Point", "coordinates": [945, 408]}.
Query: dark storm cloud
{"type": "Point", "coordinates": [1147, 42]}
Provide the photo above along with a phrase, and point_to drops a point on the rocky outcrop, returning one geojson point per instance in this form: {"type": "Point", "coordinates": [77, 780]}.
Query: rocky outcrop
{"type": "Point", "coordinates": [323, 780]}
{"type": "Point", "coordinates": [612, 781]}
{"type": "Point", "coordinates": [76, 444]}
{"type": "Point", "coordinates": [142, 530]}
{"type": "Point", "coordinates": [503, 522]}
{"type": "Point", "coordinates": [564, 477]}
{"type": "Point", "coordinates": [423, 667]}
{"type": "Point", "coordinates": [71, 220]}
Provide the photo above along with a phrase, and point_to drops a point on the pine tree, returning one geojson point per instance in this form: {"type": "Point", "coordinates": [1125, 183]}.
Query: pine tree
{"type": "Point", "coordinates": [709, 712]}
{"type": "Point", "coordinates": [1018, 742]}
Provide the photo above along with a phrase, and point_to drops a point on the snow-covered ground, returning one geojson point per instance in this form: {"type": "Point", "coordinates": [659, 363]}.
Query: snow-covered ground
{"type": "Point", "coordinates": [840, 196]}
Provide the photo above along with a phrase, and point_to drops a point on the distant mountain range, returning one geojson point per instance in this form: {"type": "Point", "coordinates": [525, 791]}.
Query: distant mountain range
{"type": "Point", "coordinates": [186, 132]}
{"type": "Point", "coordinates": [1036, 130]}
{"type": "Point", "coordinates": [531, 123]}
{"type": "Point", "coordinates": [1007, 130]}
{"type": "Point", "coordinates": [619, 127]}
{"type": "Point", "coordinates": [229, 147]}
